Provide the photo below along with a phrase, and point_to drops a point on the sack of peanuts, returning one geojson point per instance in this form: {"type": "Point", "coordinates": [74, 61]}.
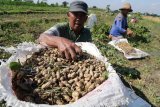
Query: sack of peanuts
{"type": "Point", "coordinates": [36, 76]}
{"type": "Point", "coordinates": [129, 52]}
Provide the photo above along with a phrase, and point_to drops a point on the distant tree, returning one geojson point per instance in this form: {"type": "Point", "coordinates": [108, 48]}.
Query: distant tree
{"type": "Point", "coordinates": [57, 4]}
{"type": "Point", "coordinates": [115, 11]}
{"type": "Point", "coordinates": [6, 0]}
{"type": "Point", "coordinates": [65, 3]}
{"type": "Point", "coordinates": [28, 1]}
{"type": "Point", "coordinates": [155, 15]}
{"type": "Point", "coordinates": [18, 0]}
{"type": "Point", "coordinates": [38, 2]}
{"type": "Point", "coordinates": [44, 1]}
{"type": "Point", "coordinates": [94, 7]}
{"type": "Point", "coordinates": [108, 8]}
{"type": "Point", "coordinates": [146, 14]}
{"type": "Point", "coordinates": [53, 4]}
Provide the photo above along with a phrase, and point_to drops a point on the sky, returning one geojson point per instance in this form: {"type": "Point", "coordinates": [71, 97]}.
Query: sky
{"type": "Point", "coordinates": [150, 6]}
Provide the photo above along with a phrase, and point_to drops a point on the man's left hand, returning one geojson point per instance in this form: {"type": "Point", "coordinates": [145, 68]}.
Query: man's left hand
{"type": "Point", "coordinates": [129, 32]}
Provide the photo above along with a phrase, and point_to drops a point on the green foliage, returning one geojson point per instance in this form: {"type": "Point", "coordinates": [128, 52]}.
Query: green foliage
{"type": "Point", "coordinates": [14, 65]}
{"type": "Point", "coordinates": [13, 33]}
{"type": "Point", "coordinates": [27, 37]}
{"type": "Point", "coordinates": [131, 73]}
{"type": "Point", "coordinates": [4, 55]}
{"type": "Point", "coordinates": [100, 37]}
{"type": "Point", "coordinates": [101, 32]}
{"type": "Point", "coordinates": [29, 9]}
{"type": "Point", "coordinates": [9, 25]}
{"type": "Point", "coordinates": [18, 7]}
{"type": "Point", "coordinates": [137, 16]}
{"type": "Point", "coordinates": [113, 56]}
{"type": "Point", "coordinates": [15, 2]}
{"type": "Point", "coordinates": [2, 103]}
{"type": "Point", "coordinates": [20, 2]}
{"type": "Point", "coordinates": [65, 3]}
{"type": "Point", "coordinates": [105, 75]}
{"type": "Point", "coordinates": [141, 34]}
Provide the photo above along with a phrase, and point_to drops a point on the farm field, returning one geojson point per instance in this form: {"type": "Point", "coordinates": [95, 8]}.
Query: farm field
{"type": "Point", "coordinates": [26, 23]}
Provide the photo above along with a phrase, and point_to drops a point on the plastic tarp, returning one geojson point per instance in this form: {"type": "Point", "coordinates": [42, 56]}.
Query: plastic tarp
{"type": "Point", "coordinates": [111, 93]}
{"type": "Point", "coordinates": [138, 53]}
{"type": "Point", "coordinates": [92, 20]}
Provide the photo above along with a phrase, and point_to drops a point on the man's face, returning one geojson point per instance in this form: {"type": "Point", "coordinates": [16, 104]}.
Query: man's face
{"type": "Point", "coordinates": [125, 11]}
{"type": "Point", "coordinates": [77, 20]}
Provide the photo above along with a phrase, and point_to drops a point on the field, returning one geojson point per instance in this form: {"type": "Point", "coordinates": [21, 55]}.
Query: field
{"type": "Point", "coordinates": [25, 23]}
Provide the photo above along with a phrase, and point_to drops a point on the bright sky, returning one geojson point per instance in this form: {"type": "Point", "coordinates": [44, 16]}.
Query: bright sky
{"type": "Point", "coordinates": [150, 6]}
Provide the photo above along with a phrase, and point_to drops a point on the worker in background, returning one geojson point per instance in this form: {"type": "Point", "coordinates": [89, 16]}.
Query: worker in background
{"type": "Point", "coordinates": [120, 26]}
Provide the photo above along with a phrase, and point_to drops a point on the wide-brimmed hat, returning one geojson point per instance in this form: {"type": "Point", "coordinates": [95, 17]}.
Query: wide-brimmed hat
{"type": "Point", "coordinates": [78, 6]}
{"type": "Point", "coordinates": [126, 6]}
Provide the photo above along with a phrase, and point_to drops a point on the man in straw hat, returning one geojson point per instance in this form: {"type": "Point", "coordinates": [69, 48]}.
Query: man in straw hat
{"type": "Point", "coordinates": [120, 25]}
{"type": "Point", "coordinates": [63, 35]}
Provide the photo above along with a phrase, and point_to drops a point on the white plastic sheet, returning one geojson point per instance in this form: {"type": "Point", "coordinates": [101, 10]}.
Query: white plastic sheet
{"type": "Point", "coordinates": [111, 93]}
{"type": "Point", "coordinates": [138, 54]}
{"type": "Point", "coordinates": [92, 20]}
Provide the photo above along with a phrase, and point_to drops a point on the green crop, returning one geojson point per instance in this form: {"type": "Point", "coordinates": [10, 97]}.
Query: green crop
{"type": "Point", "coordinates": [15, 65]}
{"type": "Point", "coordinates": [141, 34]}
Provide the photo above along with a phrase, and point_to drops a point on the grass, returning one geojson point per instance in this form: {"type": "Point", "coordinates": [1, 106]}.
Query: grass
{"type": "Point", "coordinates": [29, 17]}
{"type": "Point", "coordinates": [24, 8]}
{"type": "Point", "coordinates": [16, 28]}
{"type": "Point", "coordinates": [155, 19]}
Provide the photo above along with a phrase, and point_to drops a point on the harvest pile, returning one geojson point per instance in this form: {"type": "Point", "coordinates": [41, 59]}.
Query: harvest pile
{"type": "Point", "coordinates": [46, 78]}
{"type": "Point", "coordinates": [126, 47]}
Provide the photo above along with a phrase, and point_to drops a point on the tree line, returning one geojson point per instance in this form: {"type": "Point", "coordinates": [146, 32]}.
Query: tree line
{"type": "Point", "coordinates": [31, 3]}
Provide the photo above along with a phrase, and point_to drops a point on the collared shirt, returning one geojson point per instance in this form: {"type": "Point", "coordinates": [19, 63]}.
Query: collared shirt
{"type": "Point", "coordinates": [119, 26]}
{"type": "Point", "coordinates": [64, 30]}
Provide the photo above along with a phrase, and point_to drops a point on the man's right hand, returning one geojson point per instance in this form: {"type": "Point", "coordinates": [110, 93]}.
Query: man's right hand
{"type": "Point", "coordinates": [68, 49]}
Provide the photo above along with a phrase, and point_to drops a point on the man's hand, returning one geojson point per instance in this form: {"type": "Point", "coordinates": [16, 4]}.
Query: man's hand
{"type": "Point", "coordinates": [110, 37]}
{"type": "Point", "coordinates": [129, 32]}
{"type": "Point", "coordinates": [68, 49]}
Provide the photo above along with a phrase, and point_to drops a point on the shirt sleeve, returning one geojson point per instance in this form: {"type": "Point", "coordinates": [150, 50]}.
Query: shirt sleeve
{"type": "Point", "coordinates": [52, 31]}
{"type": "Point", "coordinates": [118, 23]}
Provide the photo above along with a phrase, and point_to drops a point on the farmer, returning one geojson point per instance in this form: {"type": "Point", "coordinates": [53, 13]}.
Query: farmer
{"type": "Point", "coordinates": [120, 26]}
{"type": "Point", "coordinates": [63, 35]}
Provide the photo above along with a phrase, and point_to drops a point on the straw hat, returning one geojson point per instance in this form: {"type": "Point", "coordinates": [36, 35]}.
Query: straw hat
{"type": "Point", "coordinates": [126, 6]}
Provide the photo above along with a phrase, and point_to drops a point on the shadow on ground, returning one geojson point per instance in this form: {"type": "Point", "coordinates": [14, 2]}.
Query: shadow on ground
{"type": "Point", "coordinates": [137, 91]}
{"type": "Point", "coordinates": [128, 72]}
{"type": "Point", "coordinates": [134, 74]}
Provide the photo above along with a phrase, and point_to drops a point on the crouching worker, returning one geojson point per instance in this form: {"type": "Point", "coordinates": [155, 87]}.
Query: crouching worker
{"type": "Point", "coordinates": [120, 26]}
{"type": "Point", "coordinates": [63, 35]}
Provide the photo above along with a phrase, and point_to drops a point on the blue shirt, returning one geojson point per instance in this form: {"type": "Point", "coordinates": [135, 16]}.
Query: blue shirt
{"type": "Point", "coordinates": [119, 26]}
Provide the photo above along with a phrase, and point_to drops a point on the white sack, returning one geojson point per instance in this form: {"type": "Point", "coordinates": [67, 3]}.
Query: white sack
{"type": "Point", "coordinates": [110, 93]}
